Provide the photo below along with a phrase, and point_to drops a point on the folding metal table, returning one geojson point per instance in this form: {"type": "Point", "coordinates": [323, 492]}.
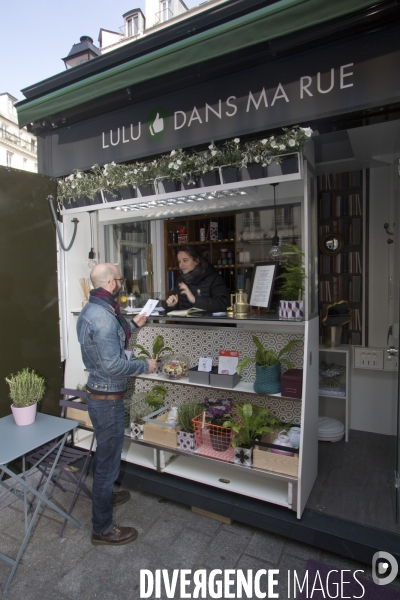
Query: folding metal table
{"type": "Point", "coordinates": [16, 442]}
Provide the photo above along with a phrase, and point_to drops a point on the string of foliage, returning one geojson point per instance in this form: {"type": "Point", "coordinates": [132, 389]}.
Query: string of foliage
{"type": "Point", "coordinates": [179, 164]}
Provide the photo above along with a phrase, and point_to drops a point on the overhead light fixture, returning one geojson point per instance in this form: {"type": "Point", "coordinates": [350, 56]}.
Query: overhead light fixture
{"type": "Point", "coordinates": [275, 251]}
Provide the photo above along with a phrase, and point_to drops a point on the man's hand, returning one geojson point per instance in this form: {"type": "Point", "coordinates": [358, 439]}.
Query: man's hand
{"type": "Point", "coordinates": [152, 364]}
{"type": "Point", "coordinates": [172, 300]}
{"type": "Point", "coordinates": [183, 288]}
{"type": "Point", "coordinates": [140, 320]}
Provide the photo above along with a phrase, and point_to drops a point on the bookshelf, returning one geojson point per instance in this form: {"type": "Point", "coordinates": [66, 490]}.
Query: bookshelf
{"type": "Point", "coordinates": [342, 276]}
{"type": "Point", "coordinates": [233, 242]}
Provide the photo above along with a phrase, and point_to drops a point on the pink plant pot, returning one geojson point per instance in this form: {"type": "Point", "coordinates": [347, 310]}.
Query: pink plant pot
{"type": "Point", "coordinates": [25, 415]}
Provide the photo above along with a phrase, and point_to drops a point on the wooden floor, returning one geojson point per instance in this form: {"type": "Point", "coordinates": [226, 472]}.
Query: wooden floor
{"type": "Point", "coordinates": [356, 480]}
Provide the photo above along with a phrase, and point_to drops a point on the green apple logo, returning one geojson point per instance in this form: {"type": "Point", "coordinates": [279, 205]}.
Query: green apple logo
{"type": "Point", "coordinates": [157, 122]}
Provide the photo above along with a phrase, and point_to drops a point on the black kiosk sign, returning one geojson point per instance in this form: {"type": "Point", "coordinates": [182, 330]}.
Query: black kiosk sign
{"type": "Point", "coordinates": [296, 89]}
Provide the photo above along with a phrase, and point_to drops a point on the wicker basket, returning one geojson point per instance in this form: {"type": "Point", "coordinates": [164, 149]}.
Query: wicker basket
{"type": "Point", "coordinates": [268, 379]}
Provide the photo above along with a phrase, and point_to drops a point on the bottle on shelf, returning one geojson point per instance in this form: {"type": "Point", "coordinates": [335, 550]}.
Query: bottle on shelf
{"type": "Point", "coordinates": [122, 296]}
{"type": "Point", "coordinates": [203, 232]}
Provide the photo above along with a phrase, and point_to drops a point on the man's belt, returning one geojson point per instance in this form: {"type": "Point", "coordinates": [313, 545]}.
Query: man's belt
{"type": "Point", "coordinates": [106, 396]}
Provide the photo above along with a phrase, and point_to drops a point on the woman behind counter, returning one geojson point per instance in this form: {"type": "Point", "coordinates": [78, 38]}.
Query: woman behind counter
{"type": "Point", "coordinates": [199, 285]}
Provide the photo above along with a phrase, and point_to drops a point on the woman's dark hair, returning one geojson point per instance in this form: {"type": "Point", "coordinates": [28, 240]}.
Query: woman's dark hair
{"type": "Point", "coordinates": [193, 253]}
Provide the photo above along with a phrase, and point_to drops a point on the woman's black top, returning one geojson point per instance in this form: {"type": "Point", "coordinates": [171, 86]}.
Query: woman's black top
{"type": "Point", "coordinates": [208, 288]}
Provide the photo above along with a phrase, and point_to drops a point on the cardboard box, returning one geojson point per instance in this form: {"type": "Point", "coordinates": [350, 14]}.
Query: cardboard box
{"type": "Point", "coordinates": [266, 460]}
{"type": "Point", "coordinates": [223, 381]}
{"type": "Point", "coordinates": [196, 376]}
{"type": "Point", "coordinates": [82, 416]}
{"type": "Point", "coordinates": [157, 432]}
{"type": "Point", "coordinates": [292, 383]}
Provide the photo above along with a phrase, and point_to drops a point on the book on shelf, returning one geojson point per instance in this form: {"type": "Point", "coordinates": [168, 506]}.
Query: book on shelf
{"type": "Point", "coordinates": [348, 179]}
{"type": "Point", "coordinates": [355, 231]}
{"type": "Point", "coordinates": [355, 289]}
{"type": "Point", "coordinates": [185, 313]}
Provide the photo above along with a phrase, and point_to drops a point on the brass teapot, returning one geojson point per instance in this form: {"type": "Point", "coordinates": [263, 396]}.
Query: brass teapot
{"type": "Point", "coordinates": [239, 304]}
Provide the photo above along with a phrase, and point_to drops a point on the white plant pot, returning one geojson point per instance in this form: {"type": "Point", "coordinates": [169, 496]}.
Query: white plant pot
{"type": "Point", "coordinates": [185, 441]}
{"type": "Point", "coordinates": [243, 456]}
{"type": "Point", "coordinates": [25, 415]}
{"type": "Point", "coordinates": [291, 309]}
{"type": "Point", "coordinates": [136, 431]}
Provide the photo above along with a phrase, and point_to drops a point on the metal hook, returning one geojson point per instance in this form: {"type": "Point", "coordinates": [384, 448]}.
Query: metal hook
{"type": "Point", "coordinates": [386, 228]}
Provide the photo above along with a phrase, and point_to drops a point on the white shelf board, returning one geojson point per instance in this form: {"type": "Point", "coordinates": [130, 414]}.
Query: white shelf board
{"type": "Point", "coordinates": [244, 387]}
{"type": "Point", "coordinates": [332, 396]}
{"type": "Point", "coordinates": [339, 349]}
{"type": "Point", "coordinates": [83, 439]}
{"type": "Point", "coordinates": [240, 481]}
{"type": "Point", "coordinates": [137, 454]}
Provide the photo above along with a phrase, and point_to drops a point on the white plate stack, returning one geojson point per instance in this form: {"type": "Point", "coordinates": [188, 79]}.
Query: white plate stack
{"type": "Point", "coordinates": [330, 430]}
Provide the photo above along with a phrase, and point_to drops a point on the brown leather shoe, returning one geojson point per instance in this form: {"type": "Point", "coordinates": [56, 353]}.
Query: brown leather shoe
{"type": "Point", "coordinates": [120, 497]}
{"type": "Point", "coordinates": [118, 536]}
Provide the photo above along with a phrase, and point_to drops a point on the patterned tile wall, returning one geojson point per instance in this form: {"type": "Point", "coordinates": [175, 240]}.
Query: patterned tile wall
{"type": "Point", "coordinates": [190, 344]}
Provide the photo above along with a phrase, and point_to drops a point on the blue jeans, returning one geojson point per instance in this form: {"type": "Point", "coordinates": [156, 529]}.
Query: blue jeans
{"type": "Point", "coordinates": [107, 417]}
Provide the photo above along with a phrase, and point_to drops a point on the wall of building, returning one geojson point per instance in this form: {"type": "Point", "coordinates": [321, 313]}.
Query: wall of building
{"type": "Point", "coordinates": [374, 393]}
{"type": "Point", "coordinates": [18, 147]}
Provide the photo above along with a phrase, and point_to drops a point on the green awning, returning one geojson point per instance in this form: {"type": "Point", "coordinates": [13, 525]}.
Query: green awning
{"type": "Point", "coordinates": [270, 22]}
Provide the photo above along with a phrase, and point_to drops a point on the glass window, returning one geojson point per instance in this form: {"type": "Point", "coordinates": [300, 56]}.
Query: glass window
{"type": "Point", "coordinates": [9, 158]}
{"type": "Point", "coordinates": [133, 26]}
{"type": "Point", "coordinates": [129, 246]}
{"type": "Point", "coordinates": [33, 145]}
{"type": "Point", "coordinates": [166, 12]}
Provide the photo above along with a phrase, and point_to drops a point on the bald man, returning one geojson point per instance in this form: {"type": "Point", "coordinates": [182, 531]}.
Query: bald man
{"type": "Point", "coordinates": [104, 336]}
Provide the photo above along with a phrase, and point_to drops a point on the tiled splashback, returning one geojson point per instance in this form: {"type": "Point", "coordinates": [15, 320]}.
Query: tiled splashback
{"type": "Point", "coordinates": [190, 344]}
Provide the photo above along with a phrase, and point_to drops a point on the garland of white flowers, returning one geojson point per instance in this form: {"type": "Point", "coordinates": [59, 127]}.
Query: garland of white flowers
{"type": "Point", "coordinates": [180, 164]}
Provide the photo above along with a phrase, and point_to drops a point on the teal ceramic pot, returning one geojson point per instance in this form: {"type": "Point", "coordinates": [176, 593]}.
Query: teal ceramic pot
{"type": "Point", "coordinates": [268, 379]}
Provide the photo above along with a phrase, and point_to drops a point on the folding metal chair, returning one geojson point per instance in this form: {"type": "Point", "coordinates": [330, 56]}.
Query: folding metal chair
{"type": "Point", "coordinates": [70, 455]}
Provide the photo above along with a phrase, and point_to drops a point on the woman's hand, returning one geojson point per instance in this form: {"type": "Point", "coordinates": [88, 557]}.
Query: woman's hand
{"type": "Point", "coordinates": [185, 291]}
{"type": "Point", "coordinates": [172, 300]}
{"type": "Point", "coordinates": [140, 320]}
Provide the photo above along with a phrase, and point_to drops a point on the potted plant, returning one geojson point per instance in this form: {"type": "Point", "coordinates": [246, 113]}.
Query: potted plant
{"type": "Point", "coordinates": [231, 159]}
{"type": "Point", "coordinates": [268, 366]}
{"type": "Point", "coordinates": [291, 283]}
{"type": "Point", "coordinates": [137, 408]}
{"type": "Point", "coordinates": [249, 424]}
{"type": "Point", "coordinates": [217, 413]}
{"type": "Point", "coordinates": [155, 397]}
{"type": "Point", "coordinates": [254, 158]}
{"type": "Point", "coordinates": [26, 390]}
{"type": "Point", "coordinates": [185, 437]}
{"type": "Point", "coordinates": [207, 166]}
{"type": "Point", "coordinates": [158, 349]}
{"type": "Point", "coordinates": [172, 170]}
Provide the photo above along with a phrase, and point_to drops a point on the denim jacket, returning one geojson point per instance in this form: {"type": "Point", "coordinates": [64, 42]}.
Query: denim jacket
{"type": "Point", "coordinates": [102, 342]}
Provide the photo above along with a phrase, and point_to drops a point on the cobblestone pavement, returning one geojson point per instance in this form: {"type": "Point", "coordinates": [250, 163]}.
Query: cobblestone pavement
{"type": "Point", "coordinates": [171, 536]}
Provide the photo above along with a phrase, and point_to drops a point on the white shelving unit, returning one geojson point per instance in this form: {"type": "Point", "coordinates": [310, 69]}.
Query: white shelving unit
{"type": "Point", "coordinates": [337, 405]}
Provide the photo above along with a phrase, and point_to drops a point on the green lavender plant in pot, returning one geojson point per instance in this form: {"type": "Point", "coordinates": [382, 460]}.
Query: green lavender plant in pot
{"type": "Point", "coordinates": [268, 366]}
{"type": "Point", "coordinates": [27, 388]}
{"type": "Point", "coordinates": [135, 409]}
{"type": "Point", "coordinates": [249, 424]}
{"type": "Point", "coordinates": [185, 436]}
{"type": "Point", "coordinates": [291, 283]}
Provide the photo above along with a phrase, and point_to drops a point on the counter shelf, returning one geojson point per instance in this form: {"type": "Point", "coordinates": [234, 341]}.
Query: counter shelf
{"type": "Point", "coordinates": [205, 469]}
{"type": "Point", "coordinates": [244, 387]}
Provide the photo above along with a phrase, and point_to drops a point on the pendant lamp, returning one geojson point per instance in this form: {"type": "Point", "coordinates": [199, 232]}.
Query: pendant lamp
{"type": "Point", "coordinates": [275, 252]}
